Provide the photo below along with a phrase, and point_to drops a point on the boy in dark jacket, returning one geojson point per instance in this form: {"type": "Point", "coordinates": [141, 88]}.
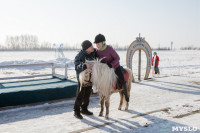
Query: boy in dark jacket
{"type": "Point", "coordinates": [82, 99]}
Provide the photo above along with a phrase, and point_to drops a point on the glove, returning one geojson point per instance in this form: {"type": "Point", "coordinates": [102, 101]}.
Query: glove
{"type": "Point", "coordinates": [109, 65]}
{"type": "Point", "coordinates": [84, 67]}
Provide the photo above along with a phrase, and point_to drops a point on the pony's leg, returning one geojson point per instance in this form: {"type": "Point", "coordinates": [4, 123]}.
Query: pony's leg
{"type": "Point", "coordinates": [107, 103]}
{"type": "Point", "coordinates": [121, 100]}
{"type": "Point", "coordinates": [127, 104]}
{"type": "Point", "coordinates": [102, 106]}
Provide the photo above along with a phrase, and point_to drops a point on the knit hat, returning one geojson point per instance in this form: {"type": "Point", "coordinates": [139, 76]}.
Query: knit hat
{"type": "Point", "coordinates": [86, 44]}
{"type": "Point", "coordinates": [99, 38]}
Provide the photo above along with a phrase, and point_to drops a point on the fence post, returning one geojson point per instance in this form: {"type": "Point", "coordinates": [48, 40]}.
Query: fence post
{"type": "Point", "coordinates": [53, 69]}
{"type": "Point", "coordinates": [66, 65]}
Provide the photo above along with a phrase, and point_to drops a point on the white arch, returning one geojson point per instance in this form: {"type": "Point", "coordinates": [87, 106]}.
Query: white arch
{"type": "Point", "coordinates": [139, 44]}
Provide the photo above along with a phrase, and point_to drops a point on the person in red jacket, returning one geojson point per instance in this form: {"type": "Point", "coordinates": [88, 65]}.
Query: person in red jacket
{"type": "Point", "coordinates": [155, 63]}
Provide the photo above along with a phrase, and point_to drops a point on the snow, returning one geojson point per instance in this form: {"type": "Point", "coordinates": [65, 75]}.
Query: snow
{"type": "Point", "coordinates": [162, 104]}
{"type": "Point", "coordinates": [177, 62]}
{"type": "Point", "coordinates": [33, 57]}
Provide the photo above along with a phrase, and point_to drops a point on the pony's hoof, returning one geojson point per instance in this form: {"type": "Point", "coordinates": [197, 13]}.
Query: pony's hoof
{"type": "Point", "coordinates": [100, 115]}
{"type": "Point", "coordinates": [119, 108]}
{"type": "Point", "coordinates": [106, 117]}
{"type": "Point", "coordinates": [126, 108]}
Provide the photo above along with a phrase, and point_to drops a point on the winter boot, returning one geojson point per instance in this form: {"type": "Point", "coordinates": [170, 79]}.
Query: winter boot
{"type": "Point", "coordinates": [86, 112]}
{"type": "Point", "coordinates": [78, 115]}
{"type": "Point", "coordinates": [125, 90]}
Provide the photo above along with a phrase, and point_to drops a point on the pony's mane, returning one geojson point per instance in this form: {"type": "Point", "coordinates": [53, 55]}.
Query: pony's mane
{"type": "Point", "coordinates": [104, 78]}
{"type": "Point", "coordinates": [94, 61]}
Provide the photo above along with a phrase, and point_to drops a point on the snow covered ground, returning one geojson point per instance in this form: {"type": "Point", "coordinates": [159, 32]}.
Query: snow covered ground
{"type": "Point", "coordinates": [170, 103]}
{"type": "Point", "coordinates": [177, 62]}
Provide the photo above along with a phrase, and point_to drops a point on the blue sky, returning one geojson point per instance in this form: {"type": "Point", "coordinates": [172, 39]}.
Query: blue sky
{"type": "Point", "coordinates": [73, 21]}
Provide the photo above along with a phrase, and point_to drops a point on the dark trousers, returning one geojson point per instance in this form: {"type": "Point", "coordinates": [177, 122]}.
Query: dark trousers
{"type": "Point", "coordinates": [156, 69]}
{"type": "Point", "coordinates": [120, 75]}
{"type": "Point", "coordinates": [82, 98]}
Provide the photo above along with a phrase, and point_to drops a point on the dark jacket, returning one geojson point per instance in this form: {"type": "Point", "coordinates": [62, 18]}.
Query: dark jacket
{"type": "Point", "coordinates": [80, 60]}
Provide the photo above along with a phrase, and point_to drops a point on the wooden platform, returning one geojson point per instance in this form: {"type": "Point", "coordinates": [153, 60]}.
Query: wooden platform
{"type": "Point", "coordinates": [33, 91]}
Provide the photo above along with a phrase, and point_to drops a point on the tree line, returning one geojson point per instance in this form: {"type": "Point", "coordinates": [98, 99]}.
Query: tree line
{"type": "Point", "coordinates": [24, 42]}
{"type": "Point", "coordinates": [190, 48]}
{"type": "Point", "coordinates": [31, 42]}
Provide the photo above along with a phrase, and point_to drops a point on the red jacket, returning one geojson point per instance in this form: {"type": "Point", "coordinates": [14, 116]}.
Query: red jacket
{"type": "Point", "coordinates": [156, 60]}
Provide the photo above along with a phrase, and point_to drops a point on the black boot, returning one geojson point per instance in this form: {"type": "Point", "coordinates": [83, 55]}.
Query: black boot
{"type": "Point", "coordinates": [125, 90]}
{"type": "Point", "coordinates": [78, 115]}
{"type": "Point", "coordinates": [86, 112]}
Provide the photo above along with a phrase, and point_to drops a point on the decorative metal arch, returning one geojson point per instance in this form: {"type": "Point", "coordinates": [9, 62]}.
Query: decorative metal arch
{"type": "Point", "coordinates": [139, 44]}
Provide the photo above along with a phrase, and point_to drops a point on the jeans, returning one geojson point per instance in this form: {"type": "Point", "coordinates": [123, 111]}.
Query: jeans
{"type": "Point", "coordinates": [82, 98]}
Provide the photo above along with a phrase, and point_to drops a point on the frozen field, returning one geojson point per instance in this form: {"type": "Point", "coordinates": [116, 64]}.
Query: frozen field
{"type": "Point", "coordinates": [170, 103]}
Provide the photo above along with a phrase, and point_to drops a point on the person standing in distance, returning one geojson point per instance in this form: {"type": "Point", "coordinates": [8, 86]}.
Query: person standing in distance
{"type": "Point", "coordinates": [83, 94]}
{"type": "Point", "coordinates": [155, 63]}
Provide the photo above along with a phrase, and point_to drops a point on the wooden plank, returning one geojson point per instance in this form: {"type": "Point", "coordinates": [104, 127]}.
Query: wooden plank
{"type": "Point", "coordinates": [59, 76]}
{"type": "Point", "coordinates": [22, 77]}
{"type": "Point", "coordinates": [187, 114]}
{"type": "Point", "coordinates": [25, 65]}
{"type": "Point", "coordinates": [31, 65]}
{"type": "Point", "coordinates": [66, 66]}
{"type": "Point", "coordinates": [139, 65]}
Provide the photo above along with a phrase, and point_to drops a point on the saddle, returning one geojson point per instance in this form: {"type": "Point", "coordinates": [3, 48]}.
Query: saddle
{"type": "Point", "coordinates": [126, 77]}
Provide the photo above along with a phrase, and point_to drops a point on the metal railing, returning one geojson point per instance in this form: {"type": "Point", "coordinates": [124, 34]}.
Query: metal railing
{"type": "Point", "coordinates": [53, 74]}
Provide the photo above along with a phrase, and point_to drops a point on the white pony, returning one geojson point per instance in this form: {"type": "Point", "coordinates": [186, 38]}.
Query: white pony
{"type": "Point", "coordinates": [104, 80]}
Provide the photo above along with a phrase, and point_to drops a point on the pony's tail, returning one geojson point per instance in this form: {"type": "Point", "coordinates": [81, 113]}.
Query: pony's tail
{"type": "Point", "coordinates": [130, 80]}
{"type": "Point", "coordinates": [124, 103]}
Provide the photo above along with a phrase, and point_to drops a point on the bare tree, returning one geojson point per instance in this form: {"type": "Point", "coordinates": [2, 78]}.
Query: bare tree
{"type": "Point", "coordinates": [23, 42]}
